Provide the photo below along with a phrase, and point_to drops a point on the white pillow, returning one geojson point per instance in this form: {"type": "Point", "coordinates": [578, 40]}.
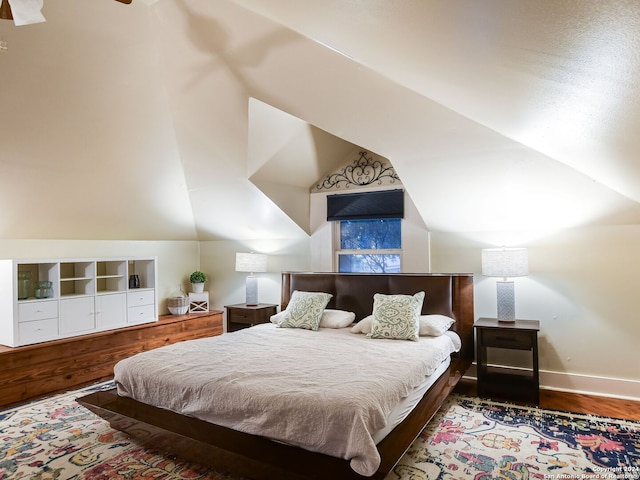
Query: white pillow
{"type": "Point", "coordinates": [330, 318]}
{"type": "Point", "coordinates": [434, 325]}
{"type": "Point", "coordinates": [277, 318]}
{"type": "Point", "coordinates": [363, 326]}
{"type": "Point", "coordinates": [336, 318]}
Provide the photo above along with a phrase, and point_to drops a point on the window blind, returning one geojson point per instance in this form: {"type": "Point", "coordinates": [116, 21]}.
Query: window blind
{"type": "Point", "coordinates": [366, 205]}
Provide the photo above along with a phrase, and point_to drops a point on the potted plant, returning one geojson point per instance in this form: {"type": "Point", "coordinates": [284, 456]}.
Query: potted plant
{"type": "Point", "coordinates": [197, 280]}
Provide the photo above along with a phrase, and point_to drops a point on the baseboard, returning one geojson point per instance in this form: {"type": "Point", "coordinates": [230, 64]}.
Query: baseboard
{"type": "Point", "coordinates": [584, 384]}
{"type": "Point", "coordinates": [590, 385]}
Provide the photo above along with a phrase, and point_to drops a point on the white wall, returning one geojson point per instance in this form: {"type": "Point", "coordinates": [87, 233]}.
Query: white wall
{"type": "Point", "coordinates": [176, 259]}
{"type": "Point", "coordinates": [89, 149]}
{"type": "Point", "coordinates": [227, 287]}
{"type": "Point", "coordinates": [582, 287]}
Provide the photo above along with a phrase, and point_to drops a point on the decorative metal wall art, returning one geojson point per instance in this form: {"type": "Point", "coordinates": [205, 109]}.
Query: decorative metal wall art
{"type": "Point", "coordinates": [364, 171]}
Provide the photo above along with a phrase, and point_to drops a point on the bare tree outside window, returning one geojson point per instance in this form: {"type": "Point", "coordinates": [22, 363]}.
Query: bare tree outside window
{"type": "Point", "coordinates": [370, 246]}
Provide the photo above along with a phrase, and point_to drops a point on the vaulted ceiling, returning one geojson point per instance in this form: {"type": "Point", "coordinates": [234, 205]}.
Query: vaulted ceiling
{"type": "Point", "coordinates": [205, 119]}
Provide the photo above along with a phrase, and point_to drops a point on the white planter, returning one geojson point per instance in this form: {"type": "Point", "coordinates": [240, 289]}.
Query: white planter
{"type": "Point", "coordinates": [197, 287]}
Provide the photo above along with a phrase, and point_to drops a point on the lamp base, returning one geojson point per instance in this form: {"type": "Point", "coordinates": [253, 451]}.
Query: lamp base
{"type": "Point", "coordinates": [506, 302]}
{"type": "Point", "coordinates": [252, 290]}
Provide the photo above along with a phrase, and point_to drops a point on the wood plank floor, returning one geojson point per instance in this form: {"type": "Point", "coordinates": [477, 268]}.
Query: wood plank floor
{"type": "Point", "coordinates": [574, 402]}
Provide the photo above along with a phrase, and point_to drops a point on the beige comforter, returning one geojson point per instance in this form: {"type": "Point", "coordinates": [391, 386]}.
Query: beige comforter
{"type": "Point", "coordinates": [326, 391]}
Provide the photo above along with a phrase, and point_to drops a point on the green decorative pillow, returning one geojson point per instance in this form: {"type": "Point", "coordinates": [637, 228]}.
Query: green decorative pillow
{"type": "Point", "coordinates": [305, 310]}
{"type": "Point", "coordinates": [396, 316]}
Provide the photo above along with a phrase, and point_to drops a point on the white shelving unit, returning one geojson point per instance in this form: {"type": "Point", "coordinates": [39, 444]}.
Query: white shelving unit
{"type": "Point", "coordinates": [88, 295]}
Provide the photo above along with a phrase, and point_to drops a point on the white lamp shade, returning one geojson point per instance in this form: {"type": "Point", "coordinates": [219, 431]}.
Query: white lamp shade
{"type": "Point", "coordinates": [251, 262]}
{"type": "Point", "coordinates": [505, 262]}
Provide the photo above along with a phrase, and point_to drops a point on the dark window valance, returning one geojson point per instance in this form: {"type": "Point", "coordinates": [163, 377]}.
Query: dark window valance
{"type": "Point", "coordinates": [366, 205]}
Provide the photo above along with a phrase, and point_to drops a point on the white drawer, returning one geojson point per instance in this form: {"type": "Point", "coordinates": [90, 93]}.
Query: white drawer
{"type": "Point", "coordinates": [38, 331]}
{"type": "Point", "coordinates": [141, 297]}
{"type": "Point", "coordinates": [37, 310]}
{"type": "Point", "coordinates": [142, 314]}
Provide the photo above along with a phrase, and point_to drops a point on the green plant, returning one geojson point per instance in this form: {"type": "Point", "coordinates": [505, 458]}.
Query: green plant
{"type": "Point", "coordinates": [197, 277]}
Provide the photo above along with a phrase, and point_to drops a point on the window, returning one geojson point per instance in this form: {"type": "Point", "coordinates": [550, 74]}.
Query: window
{"type": "Point", "coordinates": [368, 230]}
{"type": "Point", "coordinates": [372, 245]}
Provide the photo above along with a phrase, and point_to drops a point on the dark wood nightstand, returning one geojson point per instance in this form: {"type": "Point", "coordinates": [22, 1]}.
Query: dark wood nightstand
{"type": "Point", "coordinates": [242, 315]}
{"type": "Point", "coordinates": [499, 380]}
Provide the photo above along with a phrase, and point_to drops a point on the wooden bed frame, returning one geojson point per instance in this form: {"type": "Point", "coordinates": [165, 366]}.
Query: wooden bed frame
{"type": "Point", "coordinates": [259, 458]}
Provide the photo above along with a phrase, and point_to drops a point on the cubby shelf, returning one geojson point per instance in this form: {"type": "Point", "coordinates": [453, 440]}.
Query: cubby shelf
{"type": "Point", "coordinates": [87, 295]}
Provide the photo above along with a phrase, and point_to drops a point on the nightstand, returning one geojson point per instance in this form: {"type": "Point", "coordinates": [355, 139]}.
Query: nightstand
{"type": "Point", "coordinates": [500, 380]}
{"type": "Point", "coordinates": [242, 315]}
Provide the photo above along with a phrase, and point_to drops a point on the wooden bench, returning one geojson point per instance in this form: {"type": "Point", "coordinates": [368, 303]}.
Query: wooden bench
{"type": "Point", "coordinates": [34, 371]}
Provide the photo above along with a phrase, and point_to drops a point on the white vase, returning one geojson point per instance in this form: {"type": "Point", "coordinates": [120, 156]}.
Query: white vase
{"type": "Point", "coordinates": [197, 287]}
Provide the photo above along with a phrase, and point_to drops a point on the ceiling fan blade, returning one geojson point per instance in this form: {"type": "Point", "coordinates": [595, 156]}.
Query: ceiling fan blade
{"type": "Point", "coordinates": [124, 1]}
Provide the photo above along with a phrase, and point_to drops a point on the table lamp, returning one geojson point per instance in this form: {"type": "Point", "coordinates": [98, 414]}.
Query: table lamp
{"type": "Point", "coordinates": [252, 263]}
{"type": "Point", "coordinates": [505, 263]}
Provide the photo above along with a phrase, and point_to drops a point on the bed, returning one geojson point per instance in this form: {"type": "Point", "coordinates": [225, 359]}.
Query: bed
{"type": "Point", "coordinates": [254, 456]}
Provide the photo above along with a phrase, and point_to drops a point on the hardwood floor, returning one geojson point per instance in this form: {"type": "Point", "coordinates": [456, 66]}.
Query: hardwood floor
{"type": "Point", "coordinates": [574, 402]}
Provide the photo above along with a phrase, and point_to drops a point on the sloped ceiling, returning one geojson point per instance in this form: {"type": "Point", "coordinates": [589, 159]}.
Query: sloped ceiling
{"type": "Point", "coordinates": [88, 147]}
{"type": "Point", "coordinates": [287, 156]}
{"type": "Point", "coordinates": [549, 86]}
{"type": "Point", "coordinates": [136, 121]}
{"type": "Point", "coordinates": [558, 76]}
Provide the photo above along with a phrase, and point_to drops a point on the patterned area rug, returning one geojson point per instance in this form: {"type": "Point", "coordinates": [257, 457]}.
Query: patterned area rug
{"type": "Point", "coordinates": [481, 440]}
{"type": "Point", "coordinates": [56, 438]}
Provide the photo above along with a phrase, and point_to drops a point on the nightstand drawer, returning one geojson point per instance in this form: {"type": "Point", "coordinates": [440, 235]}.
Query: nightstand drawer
{"type": "Point", "coordinates": [243, 316]}
{"type": "Point", "coordinates": [507, 339]}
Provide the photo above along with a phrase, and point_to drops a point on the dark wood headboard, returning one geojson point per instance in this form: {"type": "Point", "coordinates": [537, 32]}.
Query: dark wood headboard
{"type": "Point", "coordinates": [446, 294]}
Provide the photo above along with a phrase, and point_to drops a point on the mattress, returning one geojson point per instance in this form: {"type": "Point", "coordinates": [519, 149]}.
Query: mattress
{"type": "Point", "coordinates": [328, 391]}
{"type": "Point", "coordinates": [404, 407]}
